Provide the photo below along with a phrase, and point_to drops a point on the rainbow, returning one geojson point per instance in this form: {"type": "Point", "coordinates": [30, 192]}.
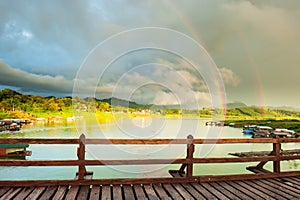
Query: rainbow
{"type": "Point", "coordinates": [196, 36]}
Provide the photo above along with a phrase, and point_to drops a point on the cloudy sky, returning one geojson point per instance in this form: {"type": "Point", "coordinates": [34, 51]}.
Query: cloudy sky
{"type": "Point", "coordinates": [255, 44]}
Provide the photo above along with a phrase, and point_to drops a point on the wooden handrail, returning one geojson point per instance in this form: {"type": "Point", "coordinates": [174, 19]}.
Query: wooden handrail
{"type": "Point", "coordinates": [187, 163]}
{"type": "Point", "coordinates": [145, 141]}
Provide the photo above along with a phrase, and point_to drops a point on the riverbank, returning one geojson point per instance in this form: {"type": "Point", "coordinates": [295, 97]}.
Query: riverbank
{"type": "Point", "coordinates": [292, 124]}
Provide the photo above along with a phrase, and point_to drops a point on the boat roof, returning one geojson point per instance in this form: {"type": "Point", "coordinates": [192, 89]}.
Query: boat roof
{"type": "Point", "coordinates": [14, 145]}
{"type": "Point", "coordinates": [264, 127]}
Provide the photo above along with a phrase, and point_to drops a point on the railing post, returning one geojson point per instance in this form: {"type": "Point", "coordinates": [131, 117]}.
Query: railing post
{"type": "Point", "coordinates": [190, 153]}
{"type": "Point", "coordinates": [276, 153]}
{"type": "Point", "coordinates": [81, 157]}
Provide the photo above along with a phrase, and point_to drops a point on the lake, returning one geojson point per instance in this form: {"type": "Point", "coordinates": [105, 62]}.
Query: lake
{"type": "Point", "coordinates": [133, 128]}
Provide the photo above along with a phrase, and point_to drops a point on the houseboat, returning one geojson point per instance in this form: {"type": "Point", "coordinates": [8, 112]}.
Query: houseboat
{"type": "Point", "coordinates": [282, 132]}
{"type": "Point", "coordinates": [14, 150]}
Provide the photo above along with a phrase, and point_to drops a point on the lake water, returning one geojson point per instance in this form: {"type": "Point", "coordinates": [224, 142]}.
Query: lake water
{"type": "Point", "coordinates": [132, 129]}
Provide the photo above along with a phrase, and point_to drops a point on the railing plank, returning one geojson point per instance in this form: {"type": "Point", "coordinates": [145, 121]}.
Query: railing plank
{"type": "Point", "coordinates": [38, 141]}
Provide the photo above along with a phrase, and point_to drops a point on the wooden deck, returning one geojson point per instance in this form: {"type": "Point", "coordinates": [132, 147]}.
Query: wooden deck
{"type": "Point", "coordinates": [275, 188]}
{"type": "Point", "coordinates": [261, 184]}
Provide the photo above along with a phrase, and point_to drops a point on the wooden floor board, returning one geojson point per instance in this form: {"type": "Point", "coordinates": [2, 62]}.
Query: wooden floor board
{"type": "Point", "coordinates": [161, 192]}
{"type": "Point", "coordinates": [24, 193]}
{"type": "Point", "coordinates": [292, 182]}
{"type": "Point", "coordinates": [192, 191]}
{"type": "Point", "coordinates": [49, 192]}
{"type": "Point", "coordinates": [139, 191]}
{"type": "Point", "coordinates": [83, 192]}
{"type": "Point", "coordinates": [60, 193]}
{"type": "Point", "coordinates": [117, 192]}
{"type": "Point", "coordinates": [276, 188]}
{"type": "Point", "coordinates": [267, 189]}
{"type": "Point", "coordinates": [214, 191]}
{"type": "Point", "coordinates": [279, 190]}
{"type": "Point", "coordinates": [11, 193]}
{"type": "Point", "coordinates": [247, 192]}
{"type": "Point", "coordinates": [128, 192]}
{"type": "Point", "coordinates": [105, 193]}
{"type": "Point", "coordinates": [3, 190]}
{"type": "Point", "coordinates": [286, 186]}
{"type": "Point", "coordinates": [224, 191]}
{"type": "Point", "coordinates": [95, 192]}
{"type": "Point", "coordinates": [203, 191]}
{"type": "Point", "coordinates": [182, 191]}
{"type": "Point", "coordinates": [234, 190]}
{"type": "Point", "coordinates": [150, 192]}
{"type": "Point", "coordinates": [72, 193]}
{"type": "Point", "coordinates": [36, 193]}
{"type": "Point", "coordinates": [171, 191]}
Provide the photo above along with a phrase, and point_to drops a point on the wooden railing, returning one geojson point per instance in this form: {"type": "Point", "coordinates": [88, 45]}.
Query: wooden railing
{"type": "Point", "coordinates": [185, 171]}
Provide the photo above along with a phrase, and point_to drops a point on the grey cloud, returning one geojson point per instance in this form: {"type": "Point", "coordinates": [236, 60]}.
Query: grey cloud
{"type": "Point", "coordinates": [229, 77]}
{"type": "Point", "coordinates": [33, 82]}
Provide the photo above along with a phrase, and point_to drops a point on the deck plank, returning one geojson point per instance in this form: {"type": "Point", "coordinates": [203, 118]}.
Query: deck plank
{"type": "Point", "coordinates": [128, 192]}
{"type": "Point", "coordinates": [3, 190]}
{"type": "Point", "coordinates": [247, 192]}
{"type": "Point", "coordinates": [203, 191]}
{"type": "Point", "coordinates": [83, 192]}
{"type": "Point", "coordinates": [49, 192]}
{"type": "Point", "coordinates": [11, 193]}
{"type": "Point", "coordinates": [72, 193]}
{"type": "Point", "coordinates": [36, 193]}
{"type": "Point", "coordinates": [192, 191]}
{"type": "Point", "coordinates": [161, 192]}
{"type": "Point", "coordinates": [24, 193]}
{"type": "Point", "coordinates": [278, 187]}
{"type": "Point", "coordinates": [60, 193]}
{"type": "Point", "coordinates": [285, 186]}
{"type": "Point", "coordinates": [117, 192]}
{"type": "Point", "coordinates": [292, 182]}
{"type": "Point", "coordinates": [95, 192]}
{"type": "Point", "coordinates": [172, 192]}
{"type": "Point", "coordinates": [224, 191]}
{"type": "Point", "coordinates": [182, 191]}
{"type": "Point", "coordinates": [267, 190]}
{"type": "Point", "coordinates": [213, 190]}
{"type": "Point", "coordinates": [150, 192]}
{"type": "Point", "coordinates": [249, 186]}
{"type": "Point", "coordinates": [234, 190]}
{"type": "Point", "coordinates": [105, 193]}
{"type": "Point", "coordinates": [139, 192]}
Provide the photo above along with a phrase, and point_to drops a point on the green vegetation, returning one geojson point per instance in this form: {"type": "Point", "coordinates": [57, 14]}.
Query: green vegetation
{"type": "Point", "coordinates": [16, 105]}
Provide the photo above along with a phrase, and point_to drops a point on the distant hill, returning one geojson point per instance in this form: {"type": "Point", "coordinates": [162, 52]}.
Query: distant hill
{"type": "Point", "coordinates": [235, 105]}
{"type": "Point", "coordinates": [288, 108]}
{"type": "Point", "coordinates": [120, 102]}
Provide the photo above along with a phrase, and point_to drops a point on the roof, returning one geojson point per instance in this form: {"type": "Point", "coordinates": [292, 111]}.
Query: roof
{"type": "Point", "coordinates": [14, 145]}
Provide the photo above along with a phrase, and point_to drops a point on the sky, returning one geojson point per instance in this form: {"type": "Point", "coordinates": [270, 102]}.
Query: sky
{"type": "Point", "coordinates": [45, 46]}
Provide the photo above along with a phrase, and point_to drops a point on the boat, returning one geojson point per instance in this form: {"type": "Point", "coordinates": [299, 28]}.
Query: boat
{"type": "Point", "coordinates": [10, 125]}
{"type": "Point", "coordinates": [249, 129]}
{"type": "Point", "coordinates": [213, 123]}
{"type": "Point", "coordinates": [14, 150]}
{"type": "Point", "coordinates": [260, 134]}
{"type": "Point", "coordinates": [257, 131]}
{"type": "Point", "coordinates": [282, 132]}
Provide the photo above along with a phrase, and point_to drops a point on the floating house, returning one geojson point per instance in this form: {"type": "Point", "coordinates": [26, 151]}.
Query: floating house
{"type": "Point", "coordinates": [14, 150]}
